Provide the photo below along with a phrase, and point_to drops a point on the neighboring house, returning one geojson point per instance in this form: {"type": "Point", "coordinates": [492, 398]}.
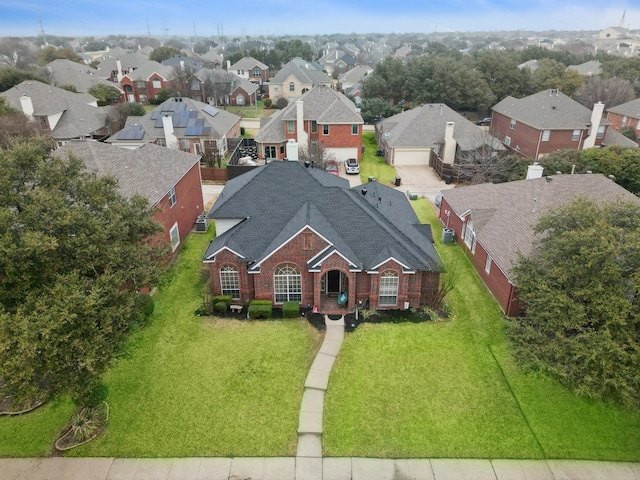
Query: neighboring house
{"type": "Point", "coordinates": [322, 118]}
{"type": "Point", "coordinates": [183, 62]}
{"type": "Point", "coordinates": [219, 87]}
{"type": "Point", "coordinates": [588, 69]}
{"type": "Point", "coordinates": [335, 62]}
{"type": "Point", "coordinates": [115, 67]}
{"type": "Point", "coordinates": [146, 81]}
{"type": "Point", "coordinates": [625, 115]}
{"type": "Point", "coordinates": [182, 124]}
{"type": "Point", "coordinates": [251, 69]}
{"type": "Point", "coordinates": [296, 78]}
{"type": "Point", "coordinates": [212, 60]}
{"type": "Point", "coordinates": [289, 233]}
{"type": "Point", "coordinates": [63, 72]}
{"type": "Point", "coordinates": [419, 135]}
{"type": "Point", "coordinates": [168, 179]}
{"type": "Point", "coordinates": [532, 65]}
{"type": "Point", "coordinates": [354, 76]}
{"type": "Point", "coordinates": [67, 115]}
{"type": "Point", "coordinates": [546, 122]}
{"type": "Point", "coordinates": [493, 223]}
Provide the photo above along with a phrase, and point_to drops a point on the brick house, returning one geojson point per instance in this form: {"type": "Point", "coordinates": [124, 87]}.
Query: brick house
{"type": "Point", "coordinates": [146, 81]}
{"type": "Point", "coordinates": [290, 233]}
{"type": "Point", "coordinates": [625, 115]}
{"type": "Point", "coordinates": [494, 222]}
{"type": "Point", "coordinates": [219, 87]}
{"type": "Point", "coordinates": [546, 122]}
{"type": "Point", "coordinates": [296, 78]}
{"type": "Point", "coordinates": [251, 69]}
{"type": "Point", "coordinates": [321, 118]}
{"type": "Point", "coordinates": [118, 64]}
{"type": "Point", "coordinates": [183, 124]}
{"type": "Point", "coordinates": [168, 179]}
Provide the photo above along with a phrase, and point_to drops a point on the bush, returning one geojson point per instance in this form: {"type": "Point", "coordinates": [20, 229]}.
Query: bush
{"type": "Point", "coordinates": [260, 309]}
{"type": "Point", "coordinates": [267, 102]}
{"type": "Point", "coordinates": [291, 310]}
{"type": "Point", "coordinates": [281, 103]}
{"type": "Point", "coordinates": [220, 307]}
{"type": "Point", "coordinates": [227, 299]}
{"type": "Point", "coordinates": [145, 304]}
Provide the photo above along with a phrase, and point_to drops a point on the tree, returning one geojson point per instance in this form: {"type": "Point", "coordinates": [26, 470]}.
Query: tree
{"type": "Point", "coordinates": [10, 77]}
{"type": "Point", "coordinates": [503, 76]}
{"type": "Point", "coordinates": [580, 289]}
{"type": "Point", "coordinates": [553, 74]}
{"type": "Point", "coordinates": [487, 164]}
{"type": "Point", "coordinates": [104, 93]}
{"type": "Point", "coordinates": [610, 91]}
{"type": "Point", "coordinates": [49, 54]}
{"type": "Point", "coordinates": [15, 126]}
{"type": "Point", "coordinates": [70, 282]}
{"type": "Point", "coordinates": [218, 84]}
{"type": "Point", "coordinates": [317, 155]}
{"type": "Point", "coordinates": [387, 81]}
{"type": "Point", "coordinates": [372, 109]}
{"type": "Point", "coordinates": [15, 53]}
{"type": "Point", "coordinates": [182, 78]}
{"type": "Point", "coordinates": [160, 54]}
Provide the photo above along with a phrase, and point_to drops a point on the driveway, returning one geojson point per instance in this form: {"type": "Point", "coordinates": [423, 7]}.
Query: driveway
{"type": "Point", "coordinates": [210, 194]}
{"type": "Point", "coordinates": [422, 181]}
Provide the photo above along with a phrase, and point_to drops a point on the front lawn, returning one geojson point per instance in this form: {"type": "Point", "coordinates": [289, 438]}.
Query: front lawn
{"type": "Point", "coordinates": [372, 165]}
{"type": "Point", "coordinates": [452, 389]}
{"type": "Point", "coordinates": [191, 386]}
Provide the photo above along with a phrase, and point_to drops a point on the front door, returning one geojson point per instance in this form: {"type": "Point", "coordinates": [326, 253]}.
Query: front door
{"type": "Point", "coordinates": [333, 282]}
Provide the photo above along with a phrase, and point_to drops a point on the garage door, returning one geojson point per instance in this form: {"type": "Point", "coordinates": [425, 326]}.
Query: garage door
{"type": "Point", "coordinates": [411, 156]}
{"type": "Point", "coordinates": [341, 154]}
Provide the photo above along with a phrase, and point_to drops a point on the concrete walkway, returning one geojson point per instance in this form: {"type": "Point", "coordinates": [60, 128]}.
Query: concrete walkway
{"type": "Point", "coordinates": [297, 468]}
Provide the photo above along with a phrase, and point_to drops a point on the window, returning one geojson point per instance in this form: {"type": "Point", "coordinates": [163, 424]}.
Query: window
{"type": "Point", "coordinates": [160, 142]}
{"type": "Point", "coordinates": [507, 141]}
{"type": "Point", "coordinates": [546, 134]}
{"type": "Point", "coordinates": [290, 126]}
{"type": "Point", "coordinates": [275, 88]}
{"type": "Point", "coordinates": [282, 148]}
{"type": "Point", "coordinates": [468, 233]}
{"type": "Point", "coordinates": [314, 126]}
{"type": "Point", "coordinates": [325, 129]}
{"type": "Point", "coordinates": [575, 136]}
{"type": "Point", "coordinates": [173, 199]}
{"type": "Point", "coordinates": [256, 72]}
{"type": "Point", "coordinates": [354, 129]}
{"type": "Point", "coordinates": [388, 288]}
{"type": "Point", "coordinates": [195, 86]}
{"type": "Point", "coordinates": [512, 124]}
{"type": "Point", "coordinates": [287, 284]}
{"type": "Point", "coordinates": [624, 121]}
{"type": "Point", "coordinates": [600, 133]}
{"type": "Point", "coordinates": [143, 98]}
{"type": "Point", "coordinates": [197, 149]}
{"type": "Point", "coordinates": [229, 281]}
{"type": "Point", "coordinates": [487, 265]}
{"type": "Point", "coordinates": [141, 84]}
{"type": "Point", "coordinates": [174, 234]}
{"type": "Point", "coordinates": [239, 99]}
{"type": "Point", "coordinates": [270, 151]}
{"type": "Point", "coordinates": [292, 87]}
{"type": "Point", "coordinates": [157, 83]}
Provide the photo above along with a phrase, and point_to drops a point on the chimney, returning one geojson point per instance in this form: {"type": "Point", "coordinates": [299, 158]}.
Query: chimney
{"type": "Point", "coordinates": [27, 106]}
{"type": "Point", "coordinates": [169, 137]}
{"type": "Point", "coordinates": [119, 67]}
{"type": "Point", "coordinates": [228, 65]}
{"type": "Point", "coordinates": [182, 65]}
{"type": "Point", "coordinates": [534, 171]}
{"type": "Point", "coordinates": [301, 135]}
{"type": "Point", "coordinates": [450, 144]}
{"type": "Point", "coordinates": [596, 118]}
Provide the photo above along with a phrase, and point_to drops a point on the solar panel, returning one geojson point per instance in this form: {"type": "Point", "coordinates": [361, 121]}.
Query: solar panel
{"type": "Point", "coordinates": [132, 132]}
{"type": "Point", "coordinates": [210, 110]}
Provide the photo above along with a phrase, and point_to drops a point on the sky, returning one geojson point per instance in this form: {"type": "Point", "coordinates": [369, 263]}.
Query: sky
{"type": "Point", "coordinates": [296, 17]}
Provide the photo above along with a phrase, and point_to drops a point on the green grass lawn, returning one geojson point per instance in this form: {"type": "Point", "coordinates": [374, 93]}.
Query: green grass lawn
{"type": "Point", "coordinates": [452, 389]}
{"type": "Point", "coordinates": [252, 112]}
{"type": "Point", "coordinates": [372, 165]}
{"type": "Point", "coordinates": [190, 386]}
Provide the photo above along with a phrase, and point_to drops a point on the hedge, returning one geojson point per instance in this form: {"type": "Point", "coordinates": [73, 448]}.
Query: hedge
{"type": "Point", "coordinates": [260, 309]}
{"type": "Point", "coordinates": [290, 309]}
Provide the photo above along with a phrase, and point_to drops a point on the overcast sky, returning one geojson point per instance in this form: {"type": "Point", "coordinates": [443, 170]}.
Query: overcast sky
{"type": "Point", "coordinates": [281, 17]}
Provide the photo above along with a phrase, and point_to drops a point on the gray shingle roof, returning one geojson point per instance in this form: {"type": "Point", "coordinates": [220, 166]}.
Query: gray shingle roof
{"type": "Point", "coordinates": [306, 72]}
{"type": "Point", "coordinates": [504, 214]}
{"type": "Point", "coordinates": [279, 199]}
{"type": "Point", "coordinates": [630, 109]}
{"type": "Point", "coordinates": [248, 63]}
{"type": "Point", "coordinates": [150, 171]}
{"type": "Point", "coordinates": [65, 72]}
{"type": "Point", "coordinates": [148, 68]}
{"type": "Point", "coordinates": [425, 127]}
{"type": "Point", "coordinates": [614, 137]}
{"type": "Point", "coordinates": [549, 109]}
{"type": "Point", "coordinates": [79, 115]}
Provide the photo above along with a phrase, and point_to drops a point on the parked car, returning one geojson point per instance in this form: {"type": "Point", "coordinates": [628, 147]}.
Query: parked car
{"type": "Point", "coordinates": [485, 122]}
{"type": "Point", "coordinates": [332, 168]}
{"type": "Point", "coordinates": [351, 165]}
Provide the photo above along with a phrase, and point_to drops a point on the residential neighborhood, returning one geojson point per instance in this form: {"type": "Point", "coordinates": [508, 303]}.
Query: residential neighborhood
{"type": "Point", "coordinates": [321, 256]}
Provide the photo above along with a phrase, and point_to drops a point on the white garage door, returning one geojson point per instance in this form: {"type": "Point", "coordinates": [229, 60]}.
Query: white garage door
{"type": "Point", "coordinates": [341, 154]}
{"type": "Point", "coordinates": [411, 156]}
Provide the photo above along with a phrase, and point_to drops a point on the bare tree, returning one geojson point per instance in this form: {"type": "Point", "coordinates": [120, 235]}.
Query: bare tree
{"type": "Point", "coordinates": [218, 84]}
{"type": "Point", "coordinates": [117, 116]}
{"type": "Point", "coordinates": [15, 53]}
{"type": "Point", "coordinates": [182, 78]}
{"type": "Point", "coordinates": [15, 126]}
{"type": "Point", "coordinates": [489, 162]}
{"type": "Point", "coordinates": [317, 155]}
{"type": "Point", "coordinates": [610, 91]}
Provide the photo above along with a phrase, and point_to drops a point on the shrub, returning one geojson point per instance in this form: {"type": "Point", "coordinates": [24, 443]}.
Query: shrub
{"type": "Point", "coordinates": [145, 304]}
{"type": "Point", "coordinates": [220, 307]}
{"type": "Point", "coordinates": [281, 103]}
{"type": "Point", "coordinates": [87, 422]}
{"type": "Point", "coordinates": [365, 314]}
{"type": "Point", "coordinates": [226, 299]}
{"type": "Point", "coordinates": [291, 310]}
{"type": "Point", "coordinates": [267, 102]}
{"type": "Point", "coordinates": [260, 309]}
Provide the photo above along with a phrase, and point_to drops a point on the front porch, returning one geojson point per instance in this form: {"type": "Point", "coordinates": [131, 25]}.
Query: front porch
{"type": "Point", "coordinates": [329, 305]}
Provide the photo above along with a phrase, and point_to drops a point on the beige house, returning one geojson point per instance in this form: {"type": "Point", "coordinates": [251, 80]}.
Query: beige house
{"type": "Point", "coordinates": [296, 78]}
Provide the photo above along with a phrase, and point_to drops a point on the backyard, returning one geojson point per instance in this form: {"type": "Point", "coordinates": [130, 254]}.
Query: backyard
{"type": "Point", "coordinates": [196, 386]}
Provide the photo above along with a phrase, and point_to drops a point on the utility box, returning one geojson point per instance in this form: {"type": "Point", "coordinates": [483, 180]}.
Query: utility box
{"type": "Point", "coordinates": [202, 224]}
{"type": "Point", "coordinates": [448, 235]}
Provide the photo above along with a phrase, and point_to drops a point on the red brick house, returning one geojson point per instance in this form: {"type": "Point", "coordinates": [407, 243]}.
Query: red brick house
{"type": "Point", "coordinates": [625, 115]}
{"type": "Point", "coordinates": [169, 179]}
{"type": "Point", "coordinates": [219, 87]}
{"type": "Point", "coordinates": [546, 122]}
{"type": "Point", "coordinates": [494, 222]}
{"type": "Point", "coordinates": [146, 81]}
{"type": "Point", "coordinates": [251, 69]}
{"type": "Point", "coordinates": [321, 118]}
{"type": "Point", "coordinates": [290, 233]}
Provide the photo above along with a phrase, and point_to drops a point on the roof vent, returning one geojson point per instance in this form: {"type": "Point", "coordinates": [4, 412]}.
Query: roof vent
{"type": "Point", "coordinates": [611, 177]}
{"type": "Point", "coordinates": [553, 107]}
{"type": "Point", "coordinates": [363, 191]}
{"type": "Point", "coordinates": [589, 171]}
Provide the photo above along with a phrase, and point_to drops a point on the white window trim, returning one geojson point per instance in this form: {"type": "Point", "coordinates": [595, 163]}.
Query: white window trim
{"type": "Point", "coordinates": [512, 124]}
{"type": "Point", "coordinates": [487, 264]}
{"type": "Point", "coordinates": [230, 280]}
{"type": "Point", "coordinates": [388, 287]}
{"type": "Point", "coordinates": [174, 235]}
{"type": "Point", "coordinates": [546, 135]}
{"type": "Point", "coordinates": [173, 198]}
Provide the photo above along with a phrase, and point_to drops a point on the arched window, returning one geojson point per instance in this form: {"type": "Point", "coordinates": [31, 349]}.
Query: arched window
{"type": "Point", "coordinates": [292, 87]}
{"type": "Point", "coordinates": [388, 288]}
{"type": "Point", "coordinates": [229, 281]}
{"type": "Point", "coordinates": [287, 284]}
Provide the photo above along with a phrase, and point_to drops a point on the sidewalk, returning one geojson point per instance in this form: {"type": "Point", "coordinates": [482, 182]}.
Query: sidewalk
{"type": "Point", "coordinates": [347, 468]}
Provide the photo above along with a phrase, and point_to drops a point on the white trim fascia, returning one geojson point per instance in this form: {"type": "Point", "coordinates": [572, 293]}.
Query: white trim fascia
{"type": "Point", "coordinates": [404, 267]}
{"type": "Point", "coordinates": [218, 251]}
{"type": "Point", "coordinates": [466, 213]}
{"type": "Point", "coordinates": [336, 252]}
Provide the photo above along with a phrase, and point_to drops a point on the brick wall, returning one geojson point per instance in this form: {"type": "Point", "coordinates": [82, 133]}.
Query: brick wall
{"type": "Point", "coordinates": [616, 121]}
